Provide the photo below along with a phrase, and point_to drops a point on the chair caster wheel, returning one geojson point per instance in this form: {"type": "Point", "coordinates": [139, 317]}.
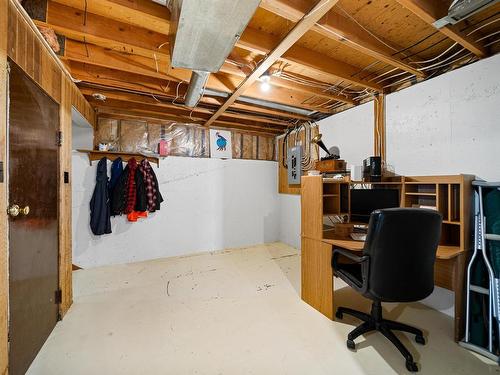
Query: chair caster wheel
{"type": "Point", "coordinates": [351, 345]}
{"type": "Point", "coordinates": [411, 366]}
{"type": "Point", "coordinates": [420, 340]}
{"type": "Point", "coordinates": [339, 315]}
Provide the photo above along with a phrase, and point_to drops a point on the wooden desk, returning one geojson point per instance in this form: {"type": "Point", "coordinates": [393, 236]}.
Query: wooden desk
{"type": "Point", "coordinates": [443, 252]}
{"type": "Point", "coordinates": [321, 199]}
{"type": "Point", "coordinates": [317, 274]}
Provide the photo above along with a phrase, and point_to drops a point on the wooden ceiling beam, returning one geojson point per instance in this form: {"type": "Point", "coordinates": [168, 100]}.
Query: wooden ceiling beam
{"type": "Point", "coordinates": [118, 109]}
{"type": "Point", "coordinates": [160, 102]}
{"type": "Point", "coordinates": [288, 41]}
{"type": "Point", "coordinates": [340, 28]}
{"type": "Point", "coordinates": [110, 64]}
{"type": "Point", "coordinates": [180, 114]}
{"type": "Point", "coordinates": [141, 13]}
{"type": "Point", "coordinates": [106, 32]}
{"type": "Point", "coordinates": [106, 78]}
{"type": "Point", "coordinates": [431, 10]}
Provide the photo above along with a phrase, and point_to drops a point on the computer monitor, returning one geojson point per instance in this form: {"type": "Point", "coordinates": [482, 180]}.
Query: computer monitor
{"type": "Point", "coordinates": [365, 201]}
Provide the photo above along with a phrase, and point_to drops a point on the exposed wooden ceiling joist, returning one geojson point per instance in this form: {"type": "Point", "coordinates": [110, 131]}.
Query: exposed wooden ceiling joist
{"type": "Point", "coordinates": [195, 118]}
{"type": "Point", "coordinates": [251, 40]}
{"type": "Point", "coordinates": [432, 10]}
{"type": "Point", "coordinates": [139, 13]}
{"type": "Point", "coordinates": [101, 67]}
{"type": "Point", "coordinates": [124, 45]}
{"type": "Point", "coordinates": [107, 78]}
{"type": "Point", "coordinates": [175, 109]}
{"type": "Point", "coordinates": [340, 28]}
{"type": "Point", "coordinates": [109, 43]}
{"type": "Point", "coordinates": [122, 110]}
{"type": "Point", "coordinates": [298, 30]}
{"type": "Point", "coordinates": [325, 66]}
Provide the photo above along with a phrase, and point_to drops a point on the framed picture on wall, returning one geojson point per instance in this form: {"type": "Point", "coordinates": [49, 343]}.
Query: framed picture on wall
{"type": "Point", "coordinates": [220, 144]}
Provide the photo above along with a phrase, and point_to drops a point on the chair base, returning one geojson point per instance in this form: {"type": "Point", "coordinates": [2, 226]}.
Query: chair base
{"type": "Point", "coordinates": [375, 322]}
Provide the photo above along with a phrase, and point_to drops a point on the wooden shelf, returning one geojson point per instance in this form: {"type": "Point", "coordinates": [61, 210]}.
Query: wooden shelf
{"type": "Point", "coordinates": [330, 195]}
{"type": "Point", "coordinates": [451, 222]}
{"type": "Point", "coordinates": [448, 252]}
{"type": "Point", "coordinates": [112, 155]}
{"type": "Point", "coordinates": [375, 183]}
{"type": "Point", "coordinates": [421, 193]}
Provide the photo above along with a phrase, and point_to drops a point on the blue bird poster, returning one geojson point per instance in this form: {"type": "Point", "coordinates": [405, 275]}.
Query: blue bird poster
{"type": "Point", "coordinates": [220, 144]}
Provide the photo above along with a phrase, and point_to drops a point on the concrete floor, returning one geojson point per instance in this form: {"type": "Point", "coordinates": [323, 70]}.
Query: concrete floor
{"type": "Point", "coordinates": [232, 312]}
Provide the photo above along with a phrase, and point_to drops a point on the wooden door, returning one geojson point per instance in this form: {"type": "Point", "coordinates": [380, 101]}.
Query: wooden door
{"type": "Point", "coordinates": [33, 120]}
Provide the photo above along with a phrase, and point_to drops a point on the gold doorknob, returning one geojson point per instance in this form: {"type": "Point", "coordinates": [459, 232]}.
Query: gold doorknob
{"type": "Point", "coordinates": [15, 210]}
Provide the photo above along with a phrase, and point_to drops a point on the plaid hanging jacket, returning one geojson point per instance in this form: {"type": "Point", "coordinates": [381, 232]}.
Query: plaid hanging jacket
{"type": "Point", "coordinates": [131, 189]}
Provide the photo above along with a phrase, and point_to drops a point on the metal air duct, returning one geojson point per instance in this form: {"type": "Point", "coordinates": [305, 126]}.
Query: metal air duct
{"type": "Point", "coordinates": [203, 34]}
{"type": "Point", "coordinates": [462, 9]}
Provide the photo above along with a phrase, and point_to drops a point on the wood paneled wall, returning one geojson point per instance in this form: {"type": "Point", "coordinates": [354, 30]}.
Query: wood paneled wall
{"type": "Point", "coordinates": [23, 45]}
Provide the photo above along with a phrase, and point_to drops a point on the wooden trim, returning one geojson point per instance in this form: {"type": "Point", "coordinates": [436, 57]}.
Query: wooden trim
{"type": "Point", "coordinates": [64, 198]}
{"type": "Point", "coordinates": [4, 238]}
{"type": "Point", "coordinates": [432, 10]}
{"type": "Point", "coordinates": [379, 137]}
{"type": "Point", "coordinates": [299, 29]}
{"type": "Point", "coordinates": [95, 155]}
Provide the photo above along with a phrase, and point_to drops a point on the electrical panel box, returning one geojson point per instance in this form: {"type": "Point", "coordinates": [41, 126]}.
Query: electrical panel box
{"type": "Point", "coordinates": [294, 159]}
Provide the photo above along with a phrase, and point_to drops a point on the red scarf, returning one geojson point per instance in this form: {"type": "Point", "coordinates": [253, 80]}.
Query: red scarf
{"type": "Point", "coordinates": [131, 188]}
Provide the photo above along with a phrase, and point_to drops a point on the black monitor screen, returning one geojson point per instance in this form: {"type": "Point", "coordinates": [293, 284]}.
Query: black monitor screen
{"type": "Point", "coordinates": [365, 201]}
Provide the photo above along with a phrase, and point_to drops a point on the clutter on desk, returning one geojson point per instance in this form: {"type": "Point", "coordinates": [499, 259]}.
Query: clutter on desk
{"type": "Point", "coordinates": [132, 191]}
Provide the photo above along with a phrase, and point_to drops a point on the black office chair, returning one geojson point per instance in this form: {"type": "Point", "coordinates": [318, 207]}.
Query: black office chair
{"type": "Point", "coordinates": [397, 266]}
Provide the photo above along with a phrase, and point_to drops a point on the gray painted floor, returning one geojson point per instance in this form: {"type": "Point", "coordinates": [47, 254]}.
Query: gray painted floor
{"type": "Point", "coordinates": [232, 312]}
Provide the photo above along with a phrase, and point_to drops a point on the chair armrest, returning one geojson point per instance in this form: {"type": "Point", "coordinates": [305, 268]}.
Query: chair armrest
{"type": "Point", "coordinates": [349, 255]}
{"type": "Point", "coordinates": [364, 261]}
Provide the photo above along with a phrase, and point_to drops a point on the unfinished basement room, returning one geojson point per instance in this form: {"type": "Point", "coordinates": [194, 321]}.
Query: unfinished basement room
{"type": "Point", "coordinates": [237, 187]}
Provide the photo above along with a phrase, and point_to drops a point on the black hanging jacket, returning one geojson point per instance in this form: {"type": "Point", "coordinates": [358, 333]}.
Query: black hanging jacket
{"type": "Point", "coordinates": [119, 194]}
{"type": "Point", "coordinates": [100, 222]}
{"type": "Point", "coordinates": [141, 201]}
{"type": "Point", "coordinates": [159, 198]}
{"type": "Point", "coordinates": [116, 172]}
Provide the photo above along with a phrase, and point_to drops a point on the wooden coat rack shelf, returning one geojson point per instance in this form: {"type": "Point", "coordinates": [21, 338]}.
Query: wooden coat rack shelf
{"type": "Point", "coordinates": [112, 155]}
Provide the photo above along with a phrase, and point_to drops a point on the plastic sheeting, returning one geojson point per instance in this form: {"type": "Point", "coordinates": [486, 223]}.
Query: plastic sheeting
{"type": "Point", "coordinates": [143, 137]}
{"type": "Point", "coordinates": [181, 139]}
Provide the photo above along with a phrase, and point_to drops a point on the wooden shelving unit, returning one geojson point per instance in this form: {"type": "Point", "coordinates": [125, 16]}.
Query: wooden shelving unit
{"type": "Point", "coordinates": [446, 194]}
{"type": "Point", "coordinates": [112, 155]}
{"type": "Point", "coordinates": [450, 195]}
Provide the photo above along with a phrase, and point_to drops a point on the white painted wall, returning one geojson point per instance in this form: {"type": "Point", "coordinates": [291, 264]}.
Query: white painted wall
{"type": "Point", "coordinates": [289, 216]}
{"type": "Point", "coordinates": [210, 204]}
{"type": "Point", "coordinates": [449, 124]}
{"type": "Point", "coordinates": [352, 132]}
{"type": "Point", "coordinates": [82, 133]}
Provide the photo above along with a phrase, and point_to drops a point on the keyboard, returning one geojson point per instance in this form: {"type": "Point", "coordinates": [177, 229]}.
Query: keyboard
{"type": "Point", "coordinates": [358, 236]}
